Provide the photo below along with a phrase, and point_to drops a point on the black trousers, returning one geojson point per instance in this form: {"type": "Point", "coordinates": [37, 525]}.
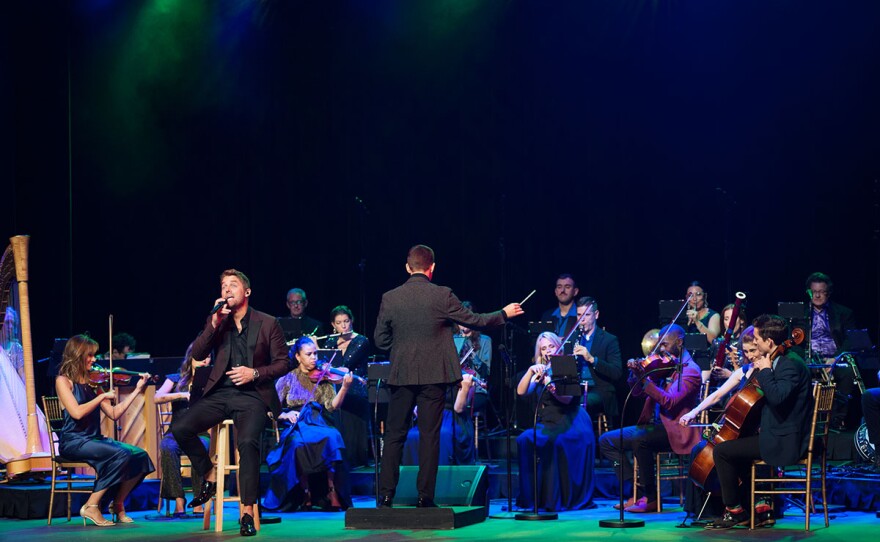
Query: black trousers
{"type": "Point", "coordinates": [430, 400]}
{"type": "Point", "coordinates": [733, 462]}
{"type": "Point", "coordinates": [249, 414]}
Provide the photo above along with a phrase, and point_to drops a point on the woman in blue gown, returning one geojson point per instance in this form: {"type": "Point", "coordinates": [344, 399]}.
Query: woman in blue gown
{"type": "Point", "coordinates": [310, 449]}
{"type": "Point", "coordinates": [565, 441]}
{"type": "Point", "coordinates": [119, 466]}
{"type": "Point", "coordinates": [456, 429]}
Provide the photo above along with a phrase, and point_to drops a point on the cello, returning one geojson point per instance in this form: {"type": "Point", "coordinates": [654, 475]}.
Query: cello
{"type": "Point", "coordinates": [741, 417]}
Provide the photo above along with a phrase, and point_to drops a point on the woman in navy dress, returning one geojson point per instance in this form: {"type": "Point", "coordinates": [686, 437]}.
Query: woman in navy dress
{"type": "Point", "coordinates": [457, 445]}
{"type": "Point", "coordinates": [119, 466]}
{"type": "Point", "coordinates": [175, 390]}
{"type": "Point", "coordinates": [565, 441]}
{"type": "Point", "coordinates": [310, 449]}
{"type": "Point", "coordinates": [355, 415]}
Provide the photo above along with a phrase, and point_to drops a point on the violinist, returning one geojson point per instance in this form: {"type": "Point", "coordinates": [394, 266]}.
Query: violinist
{"type": "Point", "coordinates": [475, 355]}
{"type": "Point", "coordinates": [175, 390]}
{"type": "Point", "coordinates": [735, 380]}
{"type": "Point", "coordinates": [355, 416]}
{"type": "Point", "coordinates": [457, 445]}
{"type": "Point", "coordinates": [673, 396]}
{"type": "Point", "coordinates": [309, 451]}
{"type": "Point", "coordinates": [785, 424]}
{"type": "Point", "coordinates": [598, 353]}
{"type": "Point", "coordinates": [563, 438]}
{"type": "Point", "coordinates": [119, 466]}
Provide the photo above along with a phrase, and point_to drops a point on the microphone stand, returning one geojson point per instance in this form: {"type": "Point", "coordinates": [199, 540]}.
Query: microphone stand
{"type": "Point", "coordinates": [505, 406]}
{"type": "Point", "coordinates": [535, 515]}
{"type": "Point", "coordinates": [626, 523]}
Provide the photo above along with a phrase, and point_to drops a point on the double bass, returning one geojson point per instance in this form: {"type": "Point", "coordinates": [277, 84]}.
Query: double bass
{"type": "Point", "coordinates": [741, 418]}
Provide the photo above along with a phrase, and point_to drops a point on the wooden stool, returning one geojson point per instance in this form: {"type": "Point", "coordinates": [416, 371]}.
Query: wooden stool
{"type": "Point", "coordinates": [222, 467]}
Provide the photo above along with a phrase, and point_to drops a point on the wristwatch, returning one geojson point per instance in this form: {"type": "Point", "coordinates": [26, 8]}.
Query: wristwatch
{"type": "Point", "coordinates": [256, 375]}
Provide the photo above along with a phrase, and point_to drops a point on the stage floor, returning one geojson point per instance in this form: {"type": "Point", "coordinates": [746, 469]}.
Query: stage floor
{"type": "Point", "coordinates": [579, 525]}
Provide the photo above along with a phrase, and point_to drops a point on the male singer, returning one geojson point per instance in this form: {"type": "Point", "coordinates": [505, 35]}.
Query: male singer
{"type": "Point", "coordinates": [249, 354]}
{"type": "Point", "coordinates": [415, 323]}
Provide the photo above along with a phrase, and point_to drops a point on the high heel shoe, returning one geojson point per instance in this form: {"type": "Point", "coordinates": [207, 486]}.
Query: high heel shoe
{"type": "Point", "coordinates": [333, 501]}
{"type": "Point", "coordinates": [119, 515]}
{"type": "Point", "coordinates": [102, 522]}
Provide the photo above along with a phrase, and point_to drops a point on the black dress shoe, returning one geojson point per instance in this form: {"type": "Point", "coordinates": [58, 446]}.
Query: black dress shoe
{"type": "Point", "coordinates": [206, 492]}
{"type": "Point", "coordinates": [425, 502]}
{"type": "Point", "coordinates": [385, 502]}
{"type": "Point", "coordinates": [247, 526]}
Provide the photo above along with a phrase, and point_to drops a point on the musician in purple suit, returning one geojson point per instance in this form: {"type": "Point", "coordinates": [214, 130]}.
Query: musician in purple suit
{"type": "Point", "coordinates": [669, 396]}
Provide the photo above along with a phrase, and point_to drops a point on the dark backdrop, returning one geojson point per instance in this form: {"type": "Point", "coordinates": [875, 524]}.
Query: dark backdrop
{"type": "Point", "coordinates": [638, 145]}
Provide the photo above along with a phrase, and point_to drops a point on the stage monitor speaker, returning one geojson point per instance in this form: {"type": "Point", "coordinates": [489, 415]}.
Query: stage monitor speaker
{"type": "Point", "coordinates": [457, 485]}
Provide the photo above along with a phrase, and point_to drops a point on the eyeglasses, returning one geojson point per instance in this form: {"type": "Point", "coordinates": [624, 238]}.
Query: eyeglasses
{"type": "Point", "coordinates": [296, 302]}
{"type": "Point", "coordinates": [819, 292]}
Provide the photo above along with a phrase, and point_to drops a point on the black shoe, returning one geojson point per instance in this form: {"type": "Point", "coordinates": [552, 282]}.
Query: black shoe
{"type": "Point", "coordinates": [764, 519]}
{"type": "Point", "coordinates": [731, 520]}
{"type": "Point", "coordinates": [206, 492]}
{"type": "Point", "coordinates": [385, 502]}
{"type": "Point", "coordinates": [425, 502]}
{"type": "Point", "coordinates": [247, 526]}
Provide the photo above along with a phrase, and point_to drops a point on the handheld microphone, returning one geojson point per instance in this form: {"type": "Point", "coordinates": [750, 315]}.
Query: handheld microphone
{"type": "Point", "coordinates": [219, 306]}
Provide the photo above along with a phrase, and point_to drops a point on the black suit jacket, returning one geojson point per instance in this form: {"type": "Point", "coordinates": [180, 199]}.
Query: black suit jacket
{"type": "Point", "coordinates": [608, 370]}
{"type": "Point", "coordinates": [415, 324]}
{"type": "Point", "coordinates": [787, 411]}
{"type": "Point", "coordinates": [267, 352]}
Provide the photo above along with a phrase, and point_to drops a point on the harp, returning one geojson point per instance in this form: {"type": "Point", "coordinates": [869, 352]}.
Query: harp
{"type": "Point", "coordinates": [25, 441]}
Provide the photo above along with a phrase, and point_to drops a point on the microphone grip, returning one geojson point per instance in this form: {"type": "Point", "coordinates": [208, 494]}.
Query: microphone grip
{"type": "Point", "coordinates": [218, 306]}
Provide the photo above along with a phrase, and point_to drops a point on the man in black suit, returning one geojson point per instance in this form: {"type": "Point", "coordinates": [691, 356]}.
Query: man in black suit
{"type": "Point", "coordinates": [249, 354]}
{"type": "Point", "coordinates": [785, 423]}
{"type": "Point", "coordinates": [598, 354]}
{"type": "Point", "coordinates": [829, 322]}
{"type": "Point", "coordinates": [416, 323]}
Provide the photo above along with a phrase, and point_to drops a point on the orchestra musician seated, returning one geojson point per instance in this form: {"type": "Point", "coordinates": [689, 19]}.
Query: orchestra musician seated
{"type": "Point", "coordinates": [785, 424]}
{"type": "Point", "coordinates": [456, 429]}
{"type": "Point", "coordinates": [309, 452]}
{"type": "Point", "coordinates": [355, 414]}
{"type": "Point", "coordinates": [175, 390]}
{"type": "Point", "coordinates": [563, 439]}
{"type": "Point", "coordinates": [674, 393]}
{"type": "Point", "coordinates": [118, 466]}
{"type": "Point", "coordinates": [734, 349]}
{"type": "Point", "coordinates": [602, 368]}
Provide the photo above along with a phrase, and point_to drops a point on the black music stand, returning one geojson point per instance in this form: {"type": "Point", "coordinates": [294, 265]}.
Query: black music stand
{"type": "Point", "coordinates": [669, 309]}
{"type": "Point", "coordinates": [377, 392]}
{"type": "Point", "coordinates": [566, 379]}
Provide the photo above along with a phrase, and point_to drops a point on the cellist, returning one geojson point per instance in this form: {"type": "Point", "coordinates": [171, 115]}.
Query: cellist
{"type": "Point", "coordinates": [785, 419]}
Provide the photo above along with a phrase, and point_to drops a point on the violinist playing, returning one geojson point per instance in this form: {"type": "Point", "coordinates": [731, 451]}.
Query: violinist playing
{"type": "Point", "coordinates": [310, 448]}
{"type": "Point", "coordinates": [785, 424]}
{"type": "Point", "coordinates": [119, 466]}
{"type": "Point", "coordinates": [563, 439]}
{"type": "Point", "coordinates": [672, 393]}
{"type": "Point", "coordinates": [475, 356]}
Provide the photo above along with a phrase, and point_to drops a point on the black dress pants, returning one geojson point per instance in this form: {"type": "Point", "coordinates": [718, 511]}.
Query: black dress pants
{"type": "Point", "coordinates": [248, 411]}
{"type": "Point", "coordinates": [430, 400]}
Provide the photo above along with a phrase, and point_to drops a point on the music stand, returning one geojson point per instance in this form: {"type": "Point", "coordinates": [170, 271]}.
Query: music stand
{"type": "Point", "coordinates": [541, 326]}
{"type": "Point", "coordinates": [199, 381]}
{"type": "Point", "coordinates": [329, 355]}
{"type": "Point", "coordinates": [377, 392]}
{"type": "Point", "coordinates": [292, 327]}
{"type": "Point", "coordinates": [669, 309]}
{"type": "Point", "coordinates": [566, 379]}
{"type": "Point", "coordinates": [791, 310]}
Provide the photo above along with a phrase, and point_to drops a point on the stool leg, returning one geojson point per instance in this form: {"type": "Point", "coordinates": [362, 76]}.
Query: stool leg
{"type": "Point", "coordinates": [222, 461]}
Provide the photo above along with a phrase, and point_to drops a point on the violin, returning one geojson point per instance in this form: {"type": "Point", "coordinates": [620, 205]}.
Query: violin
{"type": "Point", "coordinates": [477, 381]}
{"type": "Point", "coordinates": [662, 362]}
{"type": "Point", "coordinates": [332, 374]}
{"type": "Point", "coordinates": [98, 375]}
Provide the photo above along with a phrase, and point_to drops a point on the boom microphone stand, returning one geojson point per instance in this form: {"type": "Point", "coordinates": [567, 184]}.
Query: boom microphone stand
{"type": "Point", "coordinates": [505, 406]}
{"type": "Point", "coordinates": [621, 523]}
